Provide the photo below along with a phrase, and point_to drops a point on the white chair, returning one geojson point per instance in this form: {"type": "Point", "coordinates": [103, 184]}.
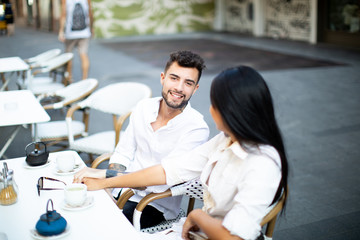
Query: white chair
{"type": "Point", "coordinates": [55, 132]}
{"type": "Point", "coordinates": [41, 58]}
{"type": "Point", "coordinates": [55, 66]}
{"type": "Point", "coordinates": [117, 99]}
{"type": "Point", "coordinates": [193, 189]}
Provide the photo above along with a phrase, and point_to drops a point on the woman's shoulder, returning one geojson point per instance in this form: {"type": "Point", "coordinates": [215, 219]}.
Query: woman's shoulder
{"type": "Point", "coordinates": [265, 154]}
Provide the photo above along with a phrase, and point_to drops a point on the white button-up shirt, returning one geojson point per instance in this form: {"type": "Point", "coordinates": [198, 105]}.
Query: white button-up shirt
{"type": "Point", "coordinates": [239, 185]}
{"type": "Point", "coordinates": [141, 147]}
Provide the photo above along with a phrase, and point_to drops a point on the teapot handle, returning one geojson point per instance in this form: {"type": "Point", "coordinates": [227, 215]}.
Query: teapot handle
{"type": "Point", "coordinates": [26, 153]}
{"type": "Point", "coordinates": [47, 205]}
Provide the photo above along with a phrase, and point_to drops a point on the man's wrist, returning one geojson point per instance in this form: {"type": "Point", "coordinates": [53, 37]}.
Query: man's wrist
{"type": "Point", "coordinates": [111, 173]}
{"type": "Point", "coordinates": [117, 167]}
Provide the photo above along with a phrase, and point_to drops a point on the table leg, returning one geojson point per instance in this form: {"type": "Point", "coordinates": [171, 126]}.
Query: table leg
{"type": "Point", "coordinates": [8, 142]}
{"type": "Point", "coordinates": [5, 82]}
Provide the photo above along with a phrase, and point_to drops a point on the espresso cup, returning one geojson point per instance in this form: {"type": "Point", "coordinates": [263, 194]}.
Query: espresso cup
{"type": "Point", "coordinates": [65, 162]}
{"type": "Point", "coordinates": [75, 194]}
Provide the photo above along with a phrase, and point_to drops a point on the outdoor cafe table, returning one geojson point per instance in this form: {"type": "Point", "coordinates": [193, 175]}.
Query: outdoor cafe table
{"type": "Point", "coordinates": [18, 108]}
{"type": "Point", "coordinates": [102, 220]}
{"type": "Point", "coordinates": [11, 65]}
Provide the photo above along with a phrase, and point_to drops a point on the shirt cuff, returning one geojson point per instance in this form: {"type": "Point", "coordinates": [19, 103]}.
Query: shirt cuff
{"type": "Point", "coordinates": [241, 225]}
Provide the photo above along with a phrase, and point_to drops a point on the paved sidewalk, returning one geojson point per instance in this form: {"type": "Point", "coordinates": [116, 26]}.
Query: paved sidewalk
{"type": "Point", "coordinates": [318, 111]}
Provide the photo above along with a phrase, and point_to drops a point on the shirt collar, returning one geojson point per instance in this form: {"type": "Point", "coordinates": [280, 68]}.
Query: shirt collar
{"type": "Point", "coordinates": [154, 109]}
{"type": "Point", "coordinates": [235, 147]}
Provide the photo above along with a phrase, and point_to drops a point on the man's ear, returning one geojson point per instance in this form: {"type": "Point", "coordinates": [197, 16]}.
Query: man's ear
{"type": "Point", "coordinates": [162, 78]}
{"type": "Point", "coordinates": [196, 88]}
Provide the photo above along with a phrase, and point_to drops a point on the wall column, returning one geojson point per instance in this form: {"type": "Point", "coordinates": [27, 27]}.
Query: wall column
{"type": "Point", "coordinates": [313, 21]}
{"type": "Point", "coordinates": [259, 18]}
{"type": "Point", "coordinates": [219, 20]}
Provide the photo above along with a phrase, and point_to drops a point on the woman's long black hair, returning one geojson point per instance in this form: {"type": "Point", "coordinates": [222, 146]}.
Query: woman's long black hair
{"type": "Point", "coordinates": [244, 101]}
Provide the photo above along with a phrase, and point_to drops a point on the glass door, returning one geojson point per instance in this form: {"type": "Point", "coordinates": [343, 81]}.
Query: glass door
{"type": "Point", "coordinates": [339, 22]}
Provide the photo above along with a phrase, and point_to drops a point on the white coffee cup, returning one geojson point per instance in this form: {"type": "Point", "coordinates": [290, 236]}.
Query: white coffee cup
{"type": "Point", "coordinates": [65, 162]}
{"type": "Point", "coordinates": [75, 194]}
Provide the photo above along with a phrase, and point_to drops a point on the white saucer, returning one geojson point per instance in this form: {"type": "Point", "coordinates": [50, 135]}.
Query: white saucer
{"type": "Point", "coordinates": [36, 167]}
{"type": "Point", "coordinates": [76, 168]}
{"type": "Point", "coordinates": [36, 235]}
{"type": "Point", "coordinates": [88, 203]}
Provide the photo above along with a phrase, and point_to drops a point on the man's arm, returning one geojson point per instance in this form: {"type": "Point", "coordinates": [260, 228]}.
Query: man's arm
{"type": "Point", "coordinates": [114, 170]}
{"type": "Point", "coordinates": [91, 18]}
{"type": "Point", "coordinates": [61, 35]}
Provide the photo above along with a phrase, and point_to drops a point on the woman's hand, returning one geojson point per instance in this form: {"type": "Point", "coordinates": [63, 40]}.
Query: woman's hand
{"type": "Point", "coordinates": [190, 225]}
{"type": "Point", "coordinates": [89, 173]}
{"type": "Point", "coordinates": [212, 227]}
{"type": "Point", "coordinates": [93, 183]}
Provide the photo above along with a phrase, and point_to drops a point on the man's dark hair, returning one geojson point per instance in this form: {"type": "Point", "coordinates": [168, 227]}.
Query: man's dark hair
{"type": "Point", "coordinates": [186, 59]}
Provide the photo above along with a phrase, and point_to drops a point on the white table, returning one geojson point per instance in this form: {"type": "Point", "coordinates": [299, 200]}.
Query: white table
{"type": "Point", "coordinates": [11, 65]}
{"type": "Point", "coordinates": [103, 220]}
{"type": "Point", "coordinates": [18, 108]}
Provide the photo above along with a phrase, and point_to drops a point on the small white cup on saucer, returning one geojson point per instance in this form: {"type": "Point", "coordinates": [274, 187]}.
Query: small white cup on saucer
{"type": "Point", "coordinates": [75, 194]}
{"type": "Point", "coordinates": [65, 162]}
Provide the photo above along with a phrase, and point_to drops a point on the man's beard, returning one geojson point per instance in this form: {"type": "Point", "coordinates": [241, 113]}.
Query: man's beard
{"type": "Point", "coordinates": [174, 105]}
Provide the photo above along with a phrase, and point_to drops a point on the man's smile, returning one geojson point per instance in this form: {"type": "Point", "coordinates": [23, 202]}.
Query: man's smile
{"type": "Point", "coordinates": [176, 95]}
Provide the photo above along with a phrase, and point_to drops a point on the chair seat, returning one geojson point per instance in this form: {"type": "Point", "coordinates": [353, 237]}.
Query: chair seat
{"type": "Point", "coordinates": [97, 143]}
{"type": "Point", "coordinates": [58, 129]}
{"type": "Point", "coordinates": [24, 84]}
{"type": "Point", "coordinates": [46, 87]}
{"type": "Point", "coordinates": [42, 80]}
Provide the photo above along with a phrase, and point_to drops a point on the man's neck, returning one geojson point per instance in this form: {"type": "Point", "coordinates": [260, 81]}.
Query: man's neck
{"type": "Point", "coordinates": [165, 114]}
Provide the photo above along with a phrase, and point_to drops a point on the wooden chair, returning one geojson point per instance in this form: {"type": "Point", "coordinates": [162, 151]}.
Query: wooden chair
{"type": "Point", "coordinates": [193, 189]}
{"type": "Point", "coordinates": [45, 84]}
{"type": "Point", "coordinates": [40, 59]}
{"type": "Point", "coordinates": [118, 100]}
{"type": "Point", "coordinates": [55, 132]}
{"type": "Point", "coordinates": [270, 219]}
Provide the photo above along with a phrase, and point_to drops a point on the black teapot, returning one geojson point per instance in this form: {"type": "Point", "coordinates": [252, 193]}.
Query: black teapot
{"type": "Point", "coordinates": [50, 223]}
{"type": "Point", "coordinates": [36, 157]}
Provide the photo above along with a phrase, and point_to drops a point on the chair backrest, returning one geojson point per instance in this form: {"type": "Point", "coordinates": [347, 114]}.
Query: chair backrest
{"type": "Point", "coordinates": [39, 59]}
{"type": "Point", "coordinates": [56, 62]}
{"type": "Point", "coordinates": [270, 218]}
{"type": "Point", "coordinates": [118, 98]}
{"type": "Point", "coordinates": [73, 92]}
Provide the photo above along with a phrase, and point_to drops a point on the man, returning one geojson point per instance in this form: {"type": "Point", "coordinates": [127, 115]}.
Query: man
{"type": "Point", "coordinates": [159, 128]}
{"type": "Point", "coordinates": [76, 26]}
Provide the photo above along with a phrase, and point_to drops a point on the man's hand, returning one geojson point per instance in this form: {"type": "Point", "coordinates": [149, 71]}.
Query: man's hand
{"type": "Point", "coordinates": [61, 36]}
{"type": "Point", "coordinates": [89, 173]}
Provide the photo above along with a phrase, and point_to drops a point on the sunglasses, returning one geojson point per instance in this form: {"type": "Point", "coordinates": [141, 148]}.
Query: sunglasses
{"type": "Point", "coordinates": [40, 184]}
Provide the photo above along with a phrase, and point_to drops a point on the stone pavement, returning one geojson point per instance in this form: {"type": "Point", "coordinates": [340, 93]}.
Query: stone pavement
{"type": "Point", "coordinates": [318, 110]}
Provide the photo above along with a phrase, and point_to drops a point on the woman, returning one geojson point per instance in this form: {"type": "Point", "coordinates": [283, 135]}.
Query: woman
{"type": "Point", "coordinates": [243, 169]}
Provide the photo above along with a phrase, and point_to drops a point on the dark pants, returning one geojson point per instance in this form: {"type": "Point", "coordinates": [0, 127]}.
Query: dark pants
{"type": "Point", "coordinates": [149, 217]}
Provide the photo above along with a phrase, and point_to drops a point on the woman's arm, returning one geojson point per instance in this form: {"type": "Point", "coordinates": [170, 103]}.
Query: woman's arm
{"type": "Point", "coordinates": [212, 227]}
{"type": "Point", "coordinates": [151, 176]}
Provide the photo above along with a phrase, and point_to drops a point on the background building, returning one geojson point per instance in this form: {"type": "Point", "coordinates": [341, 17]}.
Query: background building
{"type": "Point", "coordinates": [332, 21]}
